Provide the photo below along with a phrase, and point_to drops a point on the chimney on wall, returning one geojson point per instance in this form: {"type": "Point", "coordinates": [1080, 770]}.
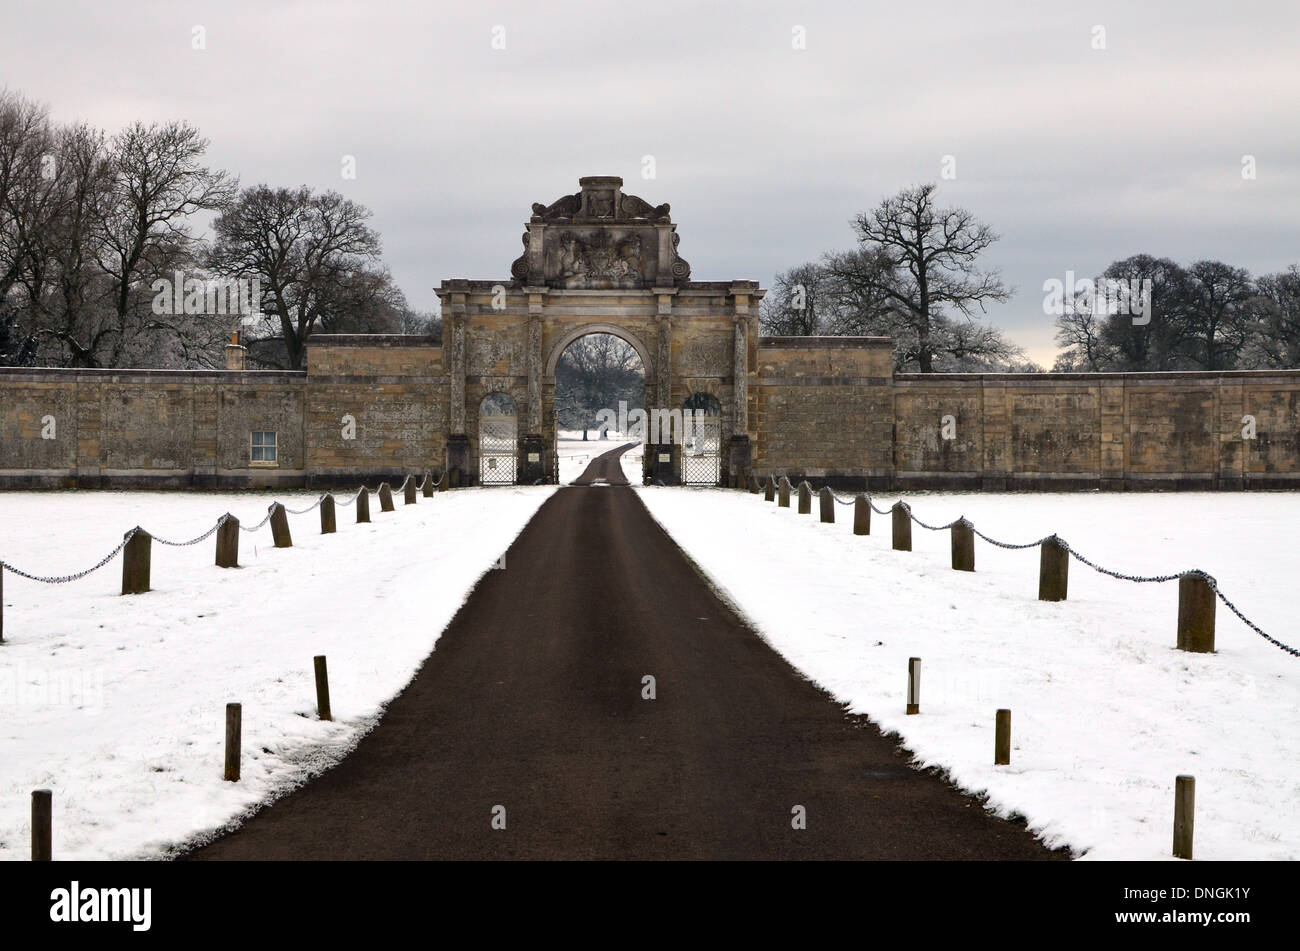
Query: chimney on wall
{"type": "Point", "coordinates": [236, 353]}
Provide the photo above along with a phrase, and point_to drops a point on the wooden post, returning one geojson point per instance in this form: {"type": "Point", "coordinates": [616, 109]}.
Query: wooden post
{"type": "Point", "coordinates": [861, 515]}
{"type": "Point", "coordinates": [1184, 815]}
{"type": "Point", "coordinates": [363, 505]}
{"type": "Point", "coordinates": [228, 543]}
{"type": "Point", "coordinates": [322, 688]}
{"type": "Point", "coordinates": [233, 740]}
{"type": "Point", "coordinates": [1002, 739]}
{"type": "Point", "coordinates": [902, 527]}
{"type": "Point", "coordinates": [1053, 570]}
{"type": "Point", "coordinates": [408, 491]}
{"type": "Point", "coordinates": [1195, 614]}
{"type": "Point", "coordinates": [963, 546]}
{"type": "Point", "coordinates": [913, 685]}
{"type": "Point", "coordinates": [805, 498]}
{"type": "Point", "coordinates": [769, 490]}
{"type": "Point", "coordinates": [280, 526]}
{"type": "Point", "coordinates": [827, 504]}
{"type": "Point", "coordinates": [755, 486]}
{"type": "Point", "coordinates": [426, 486]}
{"type": "Point", "coordinates": [328, 523]}
{"type": "Point", "coordinates": [42, 823]}
{"type": "Point", "coordinates": [783, 493]}
{"type": "Point", "coordinates": [386, 498]}
{"type": "Point", "coordinates": [136, 557]}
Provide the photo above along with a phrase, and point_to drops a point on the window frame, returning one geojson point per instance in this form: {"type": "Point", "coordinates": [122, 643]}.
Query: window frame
{"type": "Point", "coordinates": [273, 446]}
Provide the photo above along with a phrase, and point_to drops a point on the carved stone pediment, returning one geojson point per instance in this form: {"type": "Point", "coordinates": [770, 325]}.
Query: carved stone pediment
{"type": "Point", "coordinates": [599, 238]}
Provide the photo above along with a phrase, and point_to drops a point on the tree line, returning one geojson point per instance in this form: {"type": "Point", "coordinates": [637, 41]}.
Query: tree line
{"type": "Point", "coordinates": [1206, 316]}
{"type": "Point", "coordinates": [96, 230]}
{"type": "Point", "coordinates": [915, 276]}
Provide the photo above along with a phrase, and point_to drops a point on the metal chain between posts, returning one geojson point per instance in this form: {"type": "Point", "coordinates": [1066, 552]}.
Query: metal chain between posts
{"type": "Point", "coordinates": [1141, 579]}
{"type": "Point", "coordinates": [310, 508]}
{"type": "Point", "coordinates": [253, 528]}
{"type": "Point", "coordinates": [193, 541]}
{"type": "Point", "coordinates": [64, 579]}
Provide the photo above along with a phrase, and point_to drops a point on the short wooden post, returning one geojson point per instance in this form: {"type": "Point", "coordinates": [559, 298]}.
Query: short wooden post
{"type": "Point", "coordinates": [386, 498]}
{"type": "Point", "coordinates": [913, 685]}
{"type": "Point", "coordinates": [783, 493]}
{"type": "Point", "coordinates": [1184, 815]}
{"type": "Point", "coordinates": [322, 688]}
{"type": "Point", "coordinates": [363, 505]}
{"type": "Point", "coordinates": [136, 557]}
{"type": "Point", "coordinates": [1002, 739]}
{"type": "Point", "coordinates": [42, 824]}
{"type": "Point", "coordinates": [1053, 570]}
{"type": "Point", "coordinates": [426, 487]}
{"type": "Point", "coordinates": [408, 491]}
{"type": "Point", "coordinates": [963, 545]}
{"type": "Point", "coordinates": [805, 498]}
{"type": "Point", "coordinates": [1195, 613]}
{"type": "Point", "coordinates": [228, 543]}
{"type": "Point", "coordinates": [280, 526]}
{"type": "Point", "coordinates": [328, 523]}
{"type": "Point", "coordinates": [233, 740]}
{"type": "Point", "coordinates": [769, 490]}
{"type": "Point", "coordinates": [902, 526]}
{"type": "Point", "coordinates": [827, 500]}
{"type": "Point", "coordinates": [861, 515]}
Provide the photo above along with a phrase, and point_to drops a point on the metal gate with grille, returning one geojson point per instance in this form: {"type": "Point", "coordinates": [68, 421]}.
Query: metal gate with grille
{"type": "Point", "coordinates": [702, 452]}
{"type": "Point", "coordinates": [496, 449]}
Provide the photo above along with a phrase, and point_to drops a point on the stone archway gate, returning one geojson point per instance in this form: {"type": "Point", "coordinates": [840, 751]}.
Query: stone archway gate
{"type": "Point", "coordinates": [598, 261]}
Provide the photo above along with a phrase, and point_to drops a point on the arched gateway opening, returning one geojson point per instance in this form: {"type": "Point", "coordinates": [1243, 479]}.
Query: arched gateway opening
{"type": "Point", "coordinates": [599, 391]}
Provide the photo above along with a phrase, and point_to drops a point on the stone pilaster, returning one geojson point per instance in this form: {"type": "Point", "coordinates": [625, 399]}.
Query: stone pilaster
{"type": "Point", "coordinates": [736, 465]}
{"type": "Point", "coordinates": [533, 360]}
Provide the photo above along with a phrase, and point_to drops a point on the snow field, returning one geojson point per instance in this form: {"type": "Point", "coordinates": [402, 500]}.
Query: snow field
{"type": "Point", "coordinates": [117, 703]}
{"type": "Point", "coordinates": [1105, 712]}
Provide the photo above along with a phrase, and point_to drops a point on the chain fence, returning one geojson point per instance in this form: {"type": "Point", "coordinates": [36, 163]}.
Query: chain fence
{"type": "Point", "coordinates": [64, 579]}
{"type": "Point", "coordinates": [1078, 556]}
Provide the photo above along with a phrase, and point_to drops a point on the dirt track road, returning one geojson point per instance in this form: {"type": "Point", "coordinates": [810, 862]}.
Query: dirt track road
{"type": "Point", "coordinates": [533, 701]}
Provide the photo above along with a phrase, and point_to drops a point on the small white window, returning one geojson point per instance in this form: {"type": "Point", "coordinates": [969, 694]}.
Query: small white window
{"type": "Point", "coordinates": [263, 449]}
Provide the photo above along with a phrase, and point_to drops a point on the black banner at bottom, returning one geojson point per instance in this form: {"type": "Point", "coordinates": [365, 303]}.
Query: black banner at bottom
{"type": "Point", "coordinates": [262, 901]}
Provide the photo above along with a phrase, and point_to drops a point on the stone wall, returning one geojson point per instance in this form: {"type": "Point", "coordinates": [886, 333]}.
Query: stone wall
{"type": "Point", "coordinates": [828, 409]}
{"type": "Point", "coordinates": [93, 428]}
{"type": "Point", "coordinates": [1098, 430]}
{"type": "Point", "coordinates": [821, 409]}
{"type": "Point", "coordinates": [393, 388]}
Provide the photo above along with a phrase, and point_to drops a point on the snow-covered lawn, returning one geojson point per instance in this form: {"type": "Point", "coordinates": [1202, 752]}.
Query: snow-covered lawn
{"type": "Point", "coordinates": [575, 453]}
{"type": "Point", "coordinates": [1105, 712]}
{"type": "Point", "coordinates": [117, 703]}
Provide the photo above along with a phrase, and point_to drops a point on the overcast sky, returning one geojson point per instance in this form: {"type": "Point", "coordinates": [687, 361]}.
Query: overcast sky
{"type": "Point", "coordinates": [1075, 155]}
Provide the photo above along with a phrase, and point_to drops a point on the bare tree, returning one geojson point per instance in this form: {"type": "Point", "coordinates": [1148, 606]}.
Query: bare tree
{"type": "Point", "coordinates": [315, 256]}
{"type": "Point", "coordinates": [1275, 338]}
{"type": "Point", "coordinates": [158, 183]}
{"type": "Point", "coordinates": [794, 306]}
{"type": "Point", "coordinates": [932, 278]}
{"type": "Point", "coordinates": [1218, 307]}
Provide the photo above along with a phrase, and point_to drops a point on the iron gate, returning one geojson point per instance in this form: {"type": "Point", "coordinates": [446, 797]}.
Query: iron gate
{"type": "Point", "coordinates": [497, 452]}
{"type": "Point", "coordinates": [702, 452]}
